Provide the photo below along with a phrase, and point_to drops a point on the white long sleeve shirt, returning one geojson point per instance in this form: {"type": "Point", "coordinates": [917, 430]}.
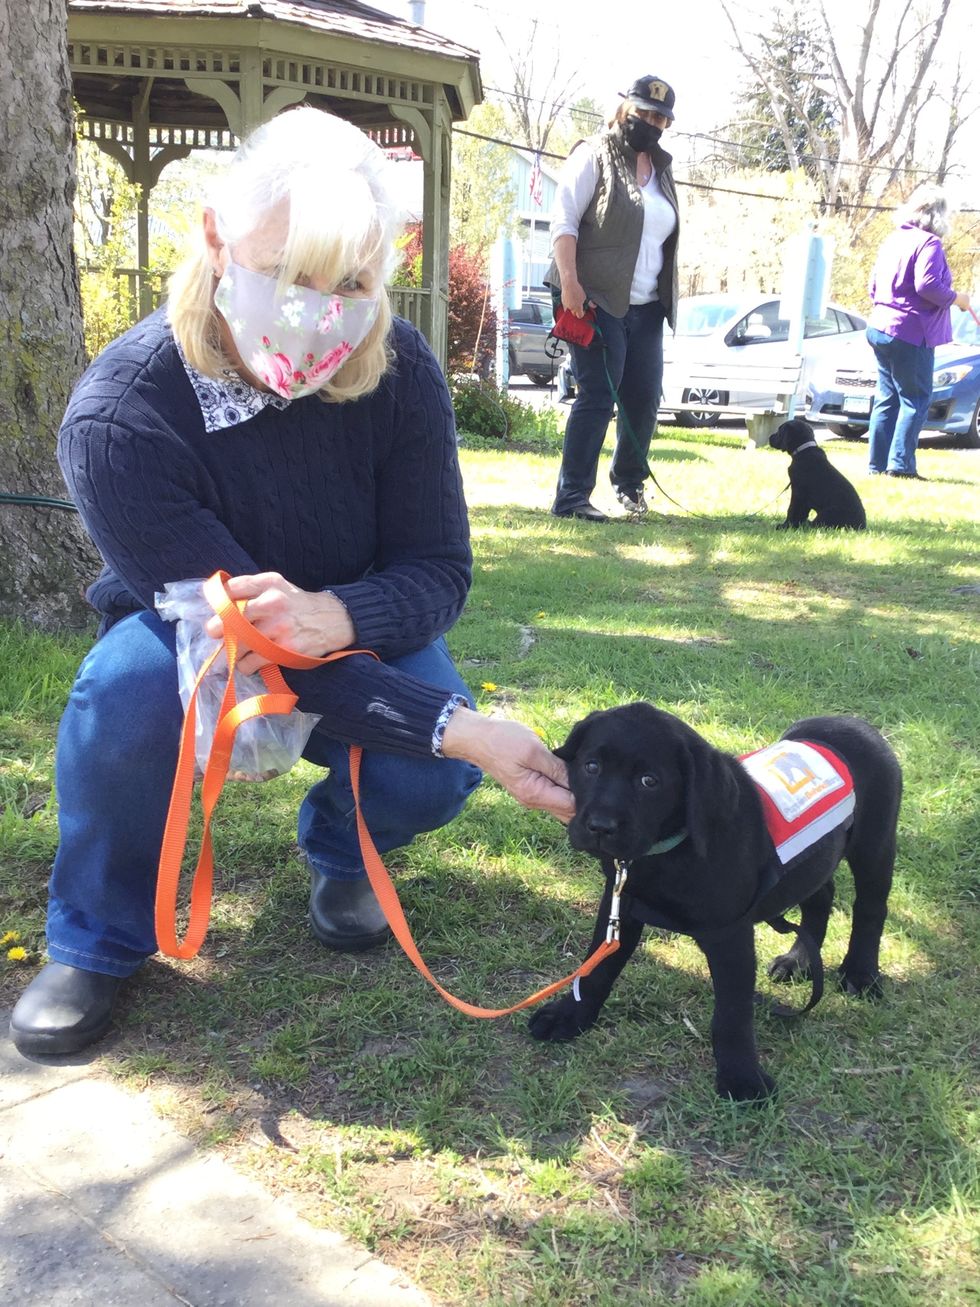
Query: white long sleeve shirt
{"type": "Point", "coordinates": [576, 186]}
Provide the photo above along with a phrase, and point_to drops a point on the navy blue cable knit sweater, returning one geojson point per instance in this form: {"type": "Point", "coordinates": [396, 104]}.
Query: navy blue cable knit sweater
{"type": "Point", "coordinates": [362, 498]}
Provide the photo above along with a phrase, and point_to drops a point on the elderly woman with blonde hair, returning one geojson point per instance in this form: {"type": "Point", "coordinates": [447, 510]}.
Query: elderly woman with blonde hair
{"type": "Point", "coordinates": [911, 292]}
{"type": "Point", "coordinates": [274, 421]}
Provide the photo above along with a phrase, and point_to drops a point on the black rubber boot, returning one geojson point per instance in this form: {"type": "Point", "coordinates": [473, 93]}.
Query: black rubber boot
{"type": "Point", "coordinates": [346, 915]}
{"type": "Point", "coordinates": [63, 1010]}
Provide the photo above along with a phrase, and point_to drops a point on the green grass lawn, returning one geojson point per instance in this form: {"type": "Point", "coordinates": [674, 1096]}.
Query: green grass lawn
{"type": "Point", "coordinates": [496, 1170]}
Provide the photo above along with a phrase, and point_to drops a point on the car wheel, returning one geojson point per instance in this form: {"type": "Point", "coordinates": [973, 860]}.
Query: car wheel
{"type": "Point", "coordinates": [847, 432]}
{"type": "Point", "coordinates": [540, 378]}
{"type": "Point", "coordinates": [712, 400]}
{"type": "Point", "coordinates": [971, 438]}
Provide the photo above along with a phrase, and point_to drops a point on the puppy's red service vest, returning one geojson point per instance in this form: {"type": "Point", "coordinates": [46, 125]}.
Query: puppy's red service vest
{"type": "Point", "coordinates": [806, 792]}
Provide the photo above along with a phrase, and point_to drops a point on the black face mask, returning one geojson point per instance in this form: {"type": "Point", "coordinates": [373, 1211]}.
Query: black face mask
{"type": "Point", "coordinates": [641, 136]}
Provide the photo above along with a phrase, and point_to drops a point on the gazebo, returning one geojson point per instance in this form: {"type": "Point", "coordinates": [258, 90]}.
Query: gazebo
{"type": "Point", "coordinates": [157, 79]}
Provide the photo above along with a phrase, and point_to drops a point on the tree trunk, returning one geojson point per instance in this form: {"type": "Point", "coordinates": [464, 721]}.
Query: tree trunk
{"type": "Point", "coordinates": [45, 556]}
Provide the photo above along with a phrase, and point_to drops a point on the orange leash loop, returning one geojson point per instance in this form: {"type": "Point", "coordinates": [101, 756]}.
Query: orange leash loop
{"type": "Point", "coordinates": [387, 896]}
{"type": "Point", "coordinates": [279, 700]}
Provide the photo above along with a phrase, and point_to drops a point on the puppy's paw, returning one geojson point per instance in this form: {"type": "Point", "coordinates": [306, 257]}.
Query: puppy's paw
{"type": "Point", "coordinates": [789, 965]}
{"type": "Point", "coordinates": [562, 1020]}
{"type": "Point", "coordinates": [858, 982]}
{"type": "Point", "coordinates": [745, 1085]}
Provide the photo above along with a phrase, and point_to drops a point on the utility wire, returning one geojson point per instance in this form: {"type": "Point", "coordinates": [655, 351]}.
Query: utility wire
{"type": "Point", "coordinates": [744, 146]}
{"type": "Point", "coordinates": [837, 206]}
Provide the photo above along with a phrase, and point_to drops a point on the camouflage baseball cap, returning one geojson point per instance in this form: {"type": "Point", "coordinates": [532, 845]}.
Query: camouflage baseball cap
{"type": "Point", "coordinates": [652, 93]}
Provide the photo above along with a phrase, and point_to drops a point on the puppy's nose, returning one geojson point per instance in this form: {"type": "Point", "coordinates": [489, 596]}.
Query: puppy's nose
{"type": "Point", "coordinates": [602, 824]}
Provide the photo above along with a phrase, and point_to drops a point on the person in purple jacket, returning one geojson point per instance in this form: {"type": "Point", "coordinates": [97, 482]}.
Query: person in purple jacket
{"type": "Point", "coordinates": [911, 293]}
{"type": "Point", "coordinates": [274, 421]}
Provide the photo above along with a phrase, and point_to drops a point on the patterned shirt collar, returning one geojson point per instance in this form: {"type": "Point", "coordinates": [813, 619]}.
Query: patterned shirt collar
{"type": "Point", "coordinates": [227, 401]}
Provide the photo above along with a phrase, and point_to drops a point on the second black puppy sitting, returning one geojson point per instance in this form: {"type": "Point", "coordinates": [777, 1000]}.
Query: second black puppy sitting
{"type": "Point", "coordinates": [816, 486]}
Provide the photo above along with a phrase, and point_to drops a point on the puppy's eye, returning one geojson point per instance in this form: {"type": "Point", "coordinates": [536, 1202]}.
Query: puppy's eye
{"type": "Point", "coordinates": [591, 767]}
{"type": "Point", "coordinates": [649, 782]}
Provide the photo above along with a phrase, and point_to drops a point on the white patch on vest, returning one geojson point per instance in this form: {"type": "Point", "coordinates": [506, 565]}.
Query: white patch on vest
{"type": "Point", "coordinates": [793, 775]}
{"type": "Point", "coordinates": [817, 828]}
{"type": "Point", "coordinates": [796, 777]}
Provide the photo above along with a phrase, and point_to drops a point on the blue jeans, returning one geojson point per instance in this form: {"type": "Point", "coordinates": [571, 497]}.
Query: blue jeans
{"type": "Point", "coordinates": [901, 401]}
{"type": "Point", "coordinates": [631, 351]}
{"type": "Point", "coordinates": [117, 751]}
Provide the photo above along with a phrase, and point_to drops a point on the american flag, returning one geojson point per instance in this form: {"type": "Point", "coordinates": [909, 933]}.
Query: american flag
{"type": "Point", "coordinates": [535, 187]}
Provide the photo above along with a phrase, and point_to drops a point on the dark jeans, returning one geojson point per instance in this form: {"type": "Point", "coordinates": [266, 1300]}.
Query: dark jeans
{"type": "Point", "coordinates": [901, 401]}
{"type": "Point", "coordinates": [631, 351]}
{"type": "Point", "coordinates": [117, 750]}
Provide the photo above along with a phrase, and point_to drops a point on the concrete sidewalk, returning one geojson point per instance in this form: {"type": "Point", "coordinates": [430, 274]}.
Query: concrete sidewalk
{"type": "Point", "coordinates": [102, 1202]}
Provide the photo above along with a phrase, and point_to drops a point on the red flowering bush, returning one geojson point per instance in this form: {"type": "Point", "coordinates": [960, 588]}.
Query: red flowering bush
{"type": "Point", "coordinates": [472, 329]}
{"type": "Point", "coordinates": [472, 334]}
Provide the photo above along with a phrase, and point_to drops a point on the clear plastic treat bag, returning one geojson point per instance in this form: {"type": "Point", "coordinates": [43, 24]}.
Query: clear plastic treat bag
{"type": "Point", "coordinates": [264, 747]}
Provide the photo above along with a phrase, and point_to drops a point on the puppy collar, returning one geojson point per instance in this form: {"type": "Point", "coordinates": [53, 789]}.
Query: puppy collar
{"type": "Point", "coordinates": [664, 846]}
{"type": "Point", "coordinates": [810, 444]}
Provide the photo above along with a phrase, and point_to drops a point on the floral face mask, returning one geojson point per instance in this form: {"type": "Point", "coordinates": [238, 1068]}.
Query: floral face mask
{"type": "Point", "coordinates": [292, 340]}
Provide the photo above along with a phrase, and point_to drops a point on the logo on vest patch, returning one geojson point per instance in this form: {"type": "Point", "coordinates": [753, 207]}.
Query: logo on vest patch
{"type": "Point", "coordinates": [806, 792]}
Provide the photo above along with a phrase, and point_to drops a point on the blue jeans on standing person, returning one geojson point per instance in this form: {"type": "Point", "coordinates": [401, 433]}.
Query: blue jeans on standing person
{"type": "Point", "coordinates": [629, 353]}
{"type": "Point", "coordinates": [901, 402]}
{"type": "Point", "coordinates": [117, 751]}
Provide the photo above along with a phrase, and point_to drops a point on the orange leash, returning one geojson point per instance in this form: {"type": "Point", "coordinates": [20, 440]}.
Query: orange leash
{"type": "Point", "coordinates": [280, 699]}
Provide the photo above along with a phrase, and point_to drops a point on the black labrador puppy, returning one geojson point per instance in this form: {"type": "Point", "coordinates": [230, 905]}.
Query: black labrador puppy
{"type": "Point", "coordinates": [689, 823]}
{"type": "Point", "coordinates": [816, 486]}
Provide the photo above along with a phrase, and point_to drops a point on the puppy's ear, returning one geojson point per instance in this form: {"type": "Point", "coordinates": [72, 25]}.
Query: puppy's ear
{"type": "Point", "coordinates": [570, 748]}
{"type": "Point", "coordinates": [709, 792]}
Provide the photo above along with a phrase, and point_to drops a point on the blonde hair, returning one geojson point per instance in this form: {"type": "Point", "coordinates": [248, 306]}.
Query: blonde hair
{"type": "Point", "coordinates": [925, 208]}
{"type": "Point", "coordinates": [343, 221]}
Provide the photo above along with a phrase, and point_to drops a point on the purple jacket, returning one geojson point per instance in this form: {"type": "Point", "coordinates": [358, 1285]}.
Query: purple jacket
{"type": "Point", "coordinates": [912, 288]}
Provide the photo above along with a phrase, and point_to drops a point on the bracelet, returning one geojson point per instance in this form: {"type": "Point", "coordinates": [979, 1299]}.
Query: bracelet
{"type": "Point", "coordinates": [442, 721]}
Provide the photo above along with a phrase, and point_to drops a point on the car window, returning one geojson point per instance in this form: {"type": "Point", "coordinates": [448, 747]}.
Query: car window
{"type": "Point", "coordinates": [546, 312]}
{"type": "Point", "coordinates": [762, 326]}
{"type": "Point", "coordinates": [701, 318]}
{"type": "Point", "coordinates": [848, 322]}
{"type": "Point", "coordinates": [524, 314]}
{"type": "Point", "coordinates": [825, 326]}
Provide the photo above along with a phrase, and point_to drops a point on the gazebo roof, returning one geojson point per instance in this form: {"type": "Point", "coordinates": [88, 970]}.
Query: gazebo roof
{"type": "Point", "coordinates": [347, 17]}
{"type": "Point", "coordinates": [348, 57]}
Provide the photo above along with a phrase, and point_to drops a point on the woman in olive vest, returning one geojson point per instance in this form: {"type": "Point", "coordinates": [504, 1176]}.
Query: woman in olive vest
{"type": "Point", "coordinates": [614, 236]}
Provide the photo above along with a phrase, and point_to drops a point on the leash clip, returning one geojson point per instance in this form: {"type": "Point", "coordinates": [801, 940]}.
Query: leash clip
{"type": "Point", "coordinates": [612, 930]}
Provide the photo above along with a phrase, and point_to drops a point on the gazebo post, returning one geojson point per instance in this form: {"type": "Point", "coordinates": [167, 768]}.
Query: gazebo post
{"type": "Point", "coordinates": [141, 177]}
{"type": "Point", "coordinates": [432, 141]}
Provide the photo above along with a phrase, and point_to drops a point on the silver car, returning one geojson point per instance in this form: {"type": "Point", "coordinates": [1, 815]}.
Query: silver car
{"type": "Point", "coordinates": [720, 329]}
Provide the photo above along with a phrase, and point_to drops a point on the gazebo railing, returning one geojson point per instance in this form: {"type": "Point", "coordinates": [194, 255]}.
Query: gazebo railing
{"type": "Point", "coordinates": [411, 303]}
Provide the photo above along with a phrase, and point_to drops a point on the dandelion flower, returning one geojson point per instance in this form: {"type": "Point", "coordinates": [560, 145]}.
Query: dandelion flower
{"type": "Point", "coordinates": [540, 615]}
{"type": "Point", "coordinates": [16, 954]}
{"type": "Point", "coordinates": [11, 937]}
{"type": "Point", "coordinates": [489, 686]}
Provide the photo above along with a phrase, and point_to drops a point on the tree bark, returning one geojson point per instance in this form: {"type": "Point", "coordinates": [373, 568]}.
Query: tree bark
{"type": "Point", "coordinates": [45, 556]}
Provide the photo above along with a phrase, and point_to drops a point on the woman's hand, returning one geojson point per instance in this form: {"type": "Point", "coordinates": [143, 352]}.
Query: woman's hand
{"type": "Point", "coordinates": [573, 297]}
{"type": "Point", "coordinates": [962, 300]}
{"type": "Point", "coordinates": [513, 755]}
{"type": "Point", "coordinates": [307, 622]}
